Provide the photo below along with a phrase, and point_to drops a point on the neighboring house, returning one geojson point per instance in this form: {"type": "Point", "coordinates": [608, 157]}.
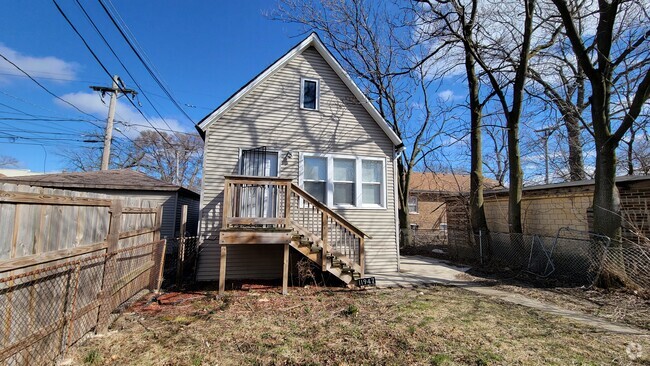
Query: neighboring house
{"type": "Point", "coordinates": [126, 183]}
{"type": "Point", "coordinates": [306, 138]}
{"type": "Point", "coordinates": [427, 209]}
{"type": "Point", "coordinates": [16, 172]}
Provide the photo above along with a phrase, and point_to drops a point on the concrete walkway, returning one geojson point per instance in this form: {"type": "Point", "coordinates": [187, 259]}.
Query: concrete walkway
{"type": "Point", "coordinates": [421, 271]}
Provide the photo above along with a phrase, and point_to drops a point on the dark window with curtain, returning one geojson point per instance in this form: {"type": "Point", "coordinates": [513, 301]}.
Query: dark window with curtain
{"type": "Point", "coordinates": [309, 94]}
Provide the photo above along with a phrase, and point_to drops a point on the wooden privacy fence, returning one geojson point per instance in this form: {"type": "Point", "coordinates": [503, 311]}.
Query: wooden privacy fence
{"type": "Point", "coordinates": [66, 263]}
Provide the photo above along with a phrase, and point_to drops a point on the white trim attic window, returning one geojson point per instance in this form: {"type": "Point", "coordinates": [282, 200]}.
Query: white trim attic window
{"type": "Point", "coordinates": [309, 94]}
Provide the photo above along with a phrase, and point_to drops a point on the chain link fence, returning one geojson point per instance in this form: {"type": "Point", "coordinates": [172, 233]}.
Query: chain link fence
{"type": "Point", "coordinates": [181, 256]}
{"type": "Point", "coordinates": [429, 242]}
{"type": "Point", "coordinates": [571, 257]}
{"type": "Point", "coordinates": [45, 309]}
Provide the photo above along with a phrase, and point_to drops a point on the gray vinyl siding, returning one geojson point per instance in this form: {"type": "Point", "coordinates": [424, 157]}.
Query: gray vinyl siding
{"type": "Point", "coordinates": [271, 116]}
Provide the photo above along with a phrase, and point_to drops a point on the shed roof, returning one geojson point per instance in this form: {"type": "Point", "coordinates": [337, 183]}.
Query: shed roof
{"type": "Point", "coordinates": [443, 182]}
{"type": "Point", "coordinates": [118, 179]}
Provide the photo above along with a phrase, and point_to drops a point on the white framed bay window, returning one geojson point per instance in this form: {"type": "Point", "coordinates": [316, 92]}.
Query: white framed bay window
{"type": "Point", "coordinates": [343, 181]}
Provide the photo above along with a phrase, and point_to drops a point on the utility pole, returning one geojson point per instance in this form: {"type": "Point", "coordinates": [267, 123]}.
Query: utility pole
{"type": "Point", "coordinates": [108, 135]}
{"type": "Point", "coordinates": [547, 133]}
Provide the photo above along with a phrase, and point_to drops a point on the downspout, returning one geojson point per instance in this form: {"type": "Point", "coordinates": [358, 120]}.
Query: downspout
{"type": "Point", "coordinates": [398, 152]}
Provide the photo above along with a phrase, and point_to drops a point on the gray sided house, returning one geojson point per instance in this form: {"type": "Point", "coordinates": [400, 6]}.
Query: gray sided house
{"type": "Point", "coordinates": [126, 183]}
{"type": "Point", "coordinates": [298, 159]}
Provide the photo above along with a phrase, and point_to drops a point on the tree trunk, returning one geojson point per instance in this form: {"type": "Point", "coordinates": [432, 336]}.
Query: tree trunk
{"type": "Point", "coordinates": [405, 234]}
{"type": "Point", "coordinates": [477, 211]}
{"type": "Point", "coordinates": [607, 205]}
{"type": "Point", "coordinates": [515, 177]}
{"type": "Point", "coordinates": [576, 164]}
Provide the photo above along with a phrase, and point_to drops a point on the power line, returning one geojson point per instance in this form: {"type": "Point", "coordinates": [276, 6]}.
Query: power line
{"type": "Point", "coordinates": [47, 77]}
{"type": "Point", "coordinates": [104, 67]}
{"type": "Point", "coordinates": [45, 88]}
{"type": "Point", "coordinates": [144, 63]}
{"type": "Point", "coordinates": [101, 35]}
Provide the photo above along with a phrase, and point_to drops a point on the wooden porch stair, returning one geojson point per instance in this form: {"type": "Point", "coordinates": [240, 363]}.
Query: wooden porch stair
{"type": "Point", "coordinates": [299, 221]}
{"type": "Point", "coordinates": [334, 263]}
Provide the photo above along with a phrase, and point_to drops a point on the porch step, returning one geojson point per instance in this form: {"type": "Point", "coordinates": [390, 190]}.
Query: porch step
{"type": "Point", "coordinates": [307, 247]}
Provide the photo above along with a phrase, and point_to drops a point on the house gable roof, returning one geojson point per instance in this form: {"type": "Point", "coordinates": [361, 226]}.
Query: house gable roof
{"type": "Point", "coordinates": [311, 41]}
{"type": "Point", "coordinates": [118, 179]}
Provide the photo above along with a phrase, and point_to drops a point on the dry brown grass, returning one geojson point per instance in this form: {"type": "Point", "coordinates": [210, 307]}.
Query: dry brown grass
{"type": "Point", "coordinates": [431, 326]}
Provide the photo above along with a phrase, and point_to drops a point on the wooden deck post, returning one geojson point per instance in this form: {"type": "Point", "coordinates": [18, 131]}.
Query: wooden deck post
{"type": "Point", "coordinates": [285, 270]}
{"type": "Point", "coordinates": [222, 269]}
{"type": "Point", "coordinates": [180, 264]}
{"type": "Point", "coordinates": [325, 234]}
{"type": "Point", "coordinates": [287, 205]}
{"type": "Point", "coordinates": [108, 278]}
{"type": "Point", "coordinates": [362, 256]}
{"type": "Point", "coordinates": [225, 212]}
{"type": "Point", "coordinates": [158, 254]}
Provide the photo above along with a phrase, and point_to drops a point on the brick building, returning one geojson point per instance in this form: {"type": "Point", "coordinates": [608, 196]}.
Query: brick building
{"type": "Point", "coordinates": [428, 191]}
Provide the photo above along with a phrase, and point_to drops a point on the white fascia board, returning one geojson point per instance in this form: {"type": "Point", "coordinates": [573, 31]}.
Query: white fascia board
{"type": "Point", "coordinates": [312, 40]}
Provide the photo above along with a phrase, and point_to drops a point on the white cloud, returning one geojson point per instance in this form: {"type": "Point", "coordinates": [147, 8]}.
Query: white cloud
{"type": "Point", "coordinates": [446, 95]}
{"type": "Point", "coordinates": [127, 119]}
{"type": "Point", "coordinates": [47, 66]}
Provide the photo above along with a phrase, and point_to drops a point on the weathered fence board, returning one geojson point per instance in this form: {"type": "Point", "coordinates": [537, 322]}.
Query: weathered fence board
{"type": "Point", "coordinates": [67, 260]}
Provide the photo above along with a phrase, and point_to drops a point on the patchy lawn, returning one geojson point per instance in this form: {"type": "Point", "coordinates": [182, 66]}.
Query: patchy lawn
{"type": "Point", "coordinates": [311, 326]}
{"type": "Point", "coordinates": [616, 305]}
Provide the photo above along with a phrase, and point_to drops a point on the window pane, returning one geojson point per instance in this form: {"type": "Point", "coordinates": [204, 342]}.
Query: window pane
{"type": "Point", "coordinates": [316, 189]}
{"type": "Point", "coordinates": [344, 193]}
{"type": "Point", "coordinates": [371, 170]}
{"type": "Point", "coordinates": [344, 170]}
{"type": "Point", "coordinates": [371, 194]}
{"type": "Point", "coordinates": [315, 168]}
{"type": "Point", "coordinates": [309, 94]}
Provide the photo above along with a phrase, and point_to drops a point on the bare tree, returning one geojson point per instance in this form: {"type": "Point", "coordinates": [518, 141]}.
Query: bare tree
{"type": "Point", "coordinates": [621, 35]}
{"type": "Point", "coordinates": [488, 49]}
{"type": "Point", "coordinates": [496, 162]}
{"type": "Point", "coordinates": [374, 44]}
{"type": "Point", "coordinates": [451, 25]}
{"type": "Point", "coordinates": [8, 161]}
{"type": "Point", "coordinates": [176, 158]}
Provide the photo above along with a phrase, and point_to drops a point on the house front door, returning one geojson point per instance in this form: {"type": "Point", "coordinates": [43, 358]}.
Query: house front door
{"type": "Point", "coordinates": [259, 201]}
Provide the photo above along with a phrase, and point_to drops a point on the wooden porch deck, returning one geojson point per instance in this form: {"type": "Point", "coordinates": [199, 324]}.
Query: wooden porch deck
{"type": "Point", "coordinates": [266, 210]}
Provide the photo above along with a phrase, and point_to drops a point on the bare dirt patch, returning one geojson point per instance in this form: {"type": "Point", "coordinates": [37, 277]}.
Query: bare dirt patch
{"type": "Point", "coordinates": [430, 326]}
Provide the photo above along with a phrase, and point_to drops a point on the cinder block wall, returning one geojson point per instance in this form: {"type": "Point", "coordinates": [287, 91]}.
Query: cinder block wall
{"type": "Point", "coordinates": [543, 213]}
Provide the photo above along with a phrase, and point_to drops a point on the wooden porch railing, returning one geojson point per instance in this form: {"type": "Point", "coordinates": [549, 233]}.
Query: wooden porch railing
{"type": "Point", "coordinates": [268, 202]}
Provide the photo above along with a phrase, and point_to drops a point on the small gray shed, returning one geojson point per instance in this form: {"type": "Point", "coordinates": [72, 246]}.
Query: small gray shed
{"type": "Point", "coordinates": [126, 183]}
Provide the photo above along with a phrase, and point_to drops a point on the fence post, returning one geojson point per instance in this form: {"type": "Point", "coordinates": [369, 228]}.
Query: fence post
{"type": "Point", "coordinates": [69, 316]}
{"type": "Point", "coordinates": [180, 264]}
{"type": "Point", "coordinates": [157, 254]}
{"type": "Point", "coordinates": [108, 278]}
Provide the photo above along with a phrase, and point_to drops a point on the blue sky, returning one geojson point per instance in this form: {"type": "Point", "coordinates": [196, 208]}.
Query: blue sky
{"type": "Point", "coordinates": [203, 50]}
